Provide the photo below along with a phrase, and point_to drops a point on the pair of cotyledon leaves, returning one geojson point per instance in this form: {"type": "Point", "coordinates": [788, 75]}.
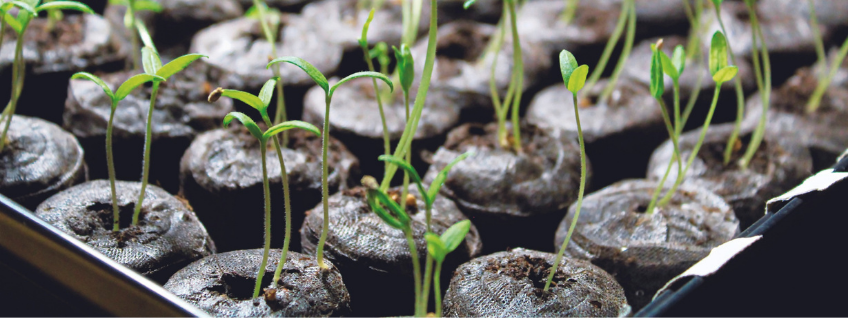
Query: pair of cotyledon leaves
{"type": "Point", "coordinates": [31, 8]}
{"type": "Point", "coordinates": [673, 67]}
{"type": "Point", "coordinates": [573, 76]}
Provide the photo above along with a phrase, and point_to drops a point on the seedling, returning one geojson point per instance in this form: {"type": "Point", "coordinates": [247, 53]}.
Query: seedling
{"type": "Point", "coordinates": [131, 21]}
{"type": "Point", "coordinates": [693, 52]}
{"type": "Point", "coordinates": [628, 17]}
{"type": "Point", "coordinates": [363, 43]}
{"type": "Point", "coordinates": [263, 140]}
{"type": "Point", "coordinates": [28, 9]}
{"type": "Point", "coordinates": [574, 78]}
{"type": "Point", "coordinates": [763, 75]}
{"type": "Point", "coordinates": [123, 91]}
{"type": "Point", "coordinates": [153, 66]}
{"type": "Point", "coordinates": [321, 80]}
{"type": "Point", "coordinates": [823, 78]}
{"type": "Point", "coordinates": [569, 11]}
{"type": "Point", "coordinates": [721, 73]}
{"type": "Point", "coordinates": [439, 247]}
{"type": "Point", "coordinates": [270, 21]}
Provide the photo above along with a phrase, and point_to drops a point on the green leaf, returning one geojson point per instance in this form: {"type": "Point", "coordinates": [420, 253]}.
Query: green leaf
{"type": "Point", "coordinates": [96, 80]}
{"type": "Point", "coordinates": [725, 74]}
{"type": "Point", "coordinates": [64, 5]}
{"type": "Point", "coordinates": [678, 59]}
{"type": "Point", "coordinates": [435, 246]}
{"type": "Point", "coordinates": [439, 181]}
{"type": "Point", "coordinates": [667, 65]}
{"type": "Point", "coordinates": [13, 22]}
{"type": "Point", "coordinates": [657, 68]}
{"type": "Point", "coordinates": [178, 64]}
{"type": "Point", "coordinates": [468, 4]}
{"type": "Point", "coordinates": [267, 91]}
{"type": "Point", "coordinates": [567, 65]}
{"type": "Point", "coordinates": [144, 35]}
{"type": "Point", "coordinates": [246, 121]}
{"type": "Point", "coordinates": [718, 52]}
{"type": "Point", "coordinates": [578, 78]}
{"type": "Point", "coordinates": [380, 52]}
{"type": "Point", "coordinates": [376, 75]}
{"type": "Point", "coordinates": [147, 5]}
{"type": "Point", "coordinates": [291, 124]}
{"type": "Point", "coordinates": [363, 40]}
{"type": "Point", "coordinates": [376, 199]}
{"type": "Point", "coordinates": [150, 60]}
{"type": "Point", "coordinates": [717, 3]}
{"type": "Point", "coordinates": [406, 66]}
{"type": "Point", "coordinates": [310, 70]}
{"type": "Point", "coordinates": [412, 174]}
{"type": "Point", "coordinates": [247, 98]}
{"type": "Point", "coordinates": [130, 84]}
{"type": "Point", "coordinates": [454, 235]}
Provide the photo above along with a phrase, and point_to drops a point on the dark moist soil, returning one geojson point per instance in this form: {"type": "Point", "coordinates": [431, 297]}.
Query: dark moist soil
{"type": "Point", "coordinates": [168, 235]}
{"type": "Point", "coordinates": [630, 122]}
{"type": "Point", "coordinates": [579, 289]}
{"type": "Point", "coordinates": [375, 257]}
{"type": "Point", "coordinates": [39, 160]}
{"type": "Point", "coordinates": [821, 131]}
{"type": "Point", "coordinates": [504, 192]}
{"type": "Point", "coordinates": [181, 113]}
{"type": "Point", "coordinates": [778, 166]}
{"type": "Point", "coordinates": [222, 285]}
{"type": "Point", "coordinates": [221, 174]}
{"type": "Point", "coordinates": [644, 251]}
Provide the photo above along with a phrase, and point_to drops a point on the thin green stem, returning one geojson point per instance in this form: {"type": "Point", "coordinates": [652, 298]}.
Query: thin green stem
{"type": "Point", "coordinates": [136, 59]}
{"type": "Point", "coordinates": [416, 270]}
{"type": "Point", "coordinates": [579, 196]}
{"type": "Point", "coordinates": [405, 190]}
{"type": "Point", "coordinates": [148, 138]}
{"type": "Point", "coordinates": [325, 191]}
{"type": "Point", "coordinates": [110, 163]}
{"type": "Point", "coordinates": [518, 76]}
{"type": "Point", "coordinates": [824, 83]}
{"type": "Point", "coordinates": [672, 134]}
{"type": "Point", "coordinates": [18, 71]}
{"type": "Point", "coordinates": [765, 91]}
{"type": "Point", "coordinates": [625, 52]}
{"type": "Point", "coordinates": [287, 201]}
{"type": "Point", "coordinates": [386, 139]}
{"type": "Point", "coordinates": [271, 37]}
{"type": "Point", "coordinates": [568, 12]}
{"type": "Point", "coordinates": [495, 46]}
{"type": "Point", "coordinates": [817, 38]}
{"type": "Point", "coordinates": [693, 97]}
{"type": "Point", "coordinates": [613, 40]}
{"type": "Point", "coordinates": [428, 274]}
{"type": "Point", "coordinates": [437, 288]}
{"type": "Point", "coordinates": [740, 96]}
{"type": "Point", "coordinates": [267, 247]}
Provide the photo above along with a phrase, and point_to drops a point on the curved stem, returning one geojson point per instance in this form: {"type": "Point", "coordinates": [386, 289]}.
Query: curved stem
{"type": "Point", "coordinates": [110, 163]}
{"type": "Point", "coordinates": [579, 196]}
{"type": "Point", "coordinates": [765, 89]}
{"type": "Point", "coordinates": [613, 40]}
{"type": "Point", "coordinates": [672, 134]}
{"type": "Point", "coordinates": [325, 192]}
{"type": "Point", "coordinates": [18, 72]}
{"type": "Point", "coordinates": [287, 199]}
{"type": "Point", "coordinates": [416, 270]}
{"type": "Point", "coordinates": [625, 52]}
{"type": "Point", "coordinates": [148, 137]}
{"type": "Point", "coordinates": [267, 247]}
{"type": "Point", "coordinates": [386, 139]}
{"type": "Point", "coordinates": [518, 76]}
{"type": "Point", "coordinates": [271, 37]}
{"type": "Point", "coordinates": [568, 12]}
{"type": "Point", "coordinates": [437, 288]}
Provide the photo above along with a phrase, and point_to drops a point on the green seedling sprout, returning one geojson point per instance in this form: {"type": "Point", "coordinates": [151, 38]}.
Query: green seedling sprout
{"type": "Point", "coordinates": [269, 19]}
{"type": "Point", "coordinates": [628, 17]}
{"type": "Point", "coordinates": [131, 21]}
{"type": "Point", "coordinates": [569, 11]}
{"type": "Point", "coordinates": [438, 248]}
{"type": "Point", "coordinates": [406, 73]}
{"type": "Point", "coordinates": [823, 78]}
{"type": "Point", "coordinates": [263, 140]}
{"type": "Point", "coordinates": [762, 72]}
{"type": "Point", "coordinates": [363, 43]}
{"type": "Point", "coordinates": [28, 9]}
{"type": "Point", "coordinates": [123, 91]}
{"type": "Point", "coordinates": [321, 80]}
{"type": "Point", "coordinates": [574, 78]}
{"type": "Point", "coordinates": [693, 52]}
{"type": "Point", "coordinates": [821, 58]}
{"type": "Point", "coordinates": [153, 66]}
{"type": "Point", "coordinates": [721, 73]}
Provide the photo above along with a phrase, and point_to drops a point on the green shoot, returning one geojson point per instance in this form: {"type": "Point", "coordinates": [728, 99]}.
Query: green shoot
{"type": "Point", "coordinates": [321, 80]}
{"type": "Point", "coordinates": [28, 9]}
{"type": "Point", "coordinates": [128, 86]}
{"type": "Point", "coordinates": [270, 21]}
{"type": "Point", "coordinates": [628, 16]}
{"type": "Point", "coordinates": [815, 100]}
{"type": "Point", "coordinates": [693, 52]}
{"type": "Point", "coordinates": [721, 73]}
{"type": "Point", "coordinates": [740, 98]}
{"type": "Point", "coordinates": [763, 76]}
{"type": "Point", "coordinates": [263, 140]}
{"type": "Point", "coordinates": [363, 43]}
{"type": "Point", "coordinates": [406, 74]}
{"type": "Point", "coordinates": [574, 78]}
{"type": "Point", "coordinates": [411, 16]}
{"type": "Point", "coordinates": [438, 248]}
{"type": "Point", "coordinates": [130, 21]}
{"type": "Point", "coordinates": [817, 38]}
{"type": "Point", "coordinates": [570, 10]}
{"type": "Point", "coordinates": [153, 66]}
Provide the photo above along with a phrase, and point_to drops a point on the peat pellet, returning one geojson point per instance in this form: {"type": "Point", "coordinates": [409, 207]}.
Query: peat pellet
{"type": "Point", "coordinates": [643, 251]}
{"type": "Point", "coordinates": [511, 284]}
{"type": "Point", "coordinates": [778, 165]}
{"type": "Point", "coordinates": [221, 175]}
{"type": "Point", "coordinates": [181, 112]}
{"type": "Point", "coordinates": [167, 237]}
{"type": "Point", "coordinates": [374, 257]}
{"type": "Point", "coordinates": [39, 160]}
{"type": "Point", "coordinates": [504, 192]}
{"type": "Point", "coordinates": [222, 285]}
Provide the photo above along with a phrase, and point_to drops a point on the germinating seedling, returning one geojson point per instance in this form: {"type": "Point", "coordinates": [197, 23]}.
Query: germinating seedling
{"type": "Point", "coordinates": [123, 91]}
{"type": "Point", "coordinates": [28, 9]}
{"type": "Point", "coordinates": [131, 21]}
{"type": "Point", "coordinates": [270, 21]}
{"type": "Point", "coordinates": [574, 77]}
{"type": "Point", "coordinates": [153, 66]}
{"type": "Point", "coordinates": [626, 17]}
{"type": "Point", "coordinates": [762, 73]}
{"type": "Point", "coordinates": [321, 80]}
{"type": "Point", "coordinates": [823, 78]}
{"type": "Point", "coordinates": [263, 140]}
{"type": "Point", "coordinates": [438, 247]}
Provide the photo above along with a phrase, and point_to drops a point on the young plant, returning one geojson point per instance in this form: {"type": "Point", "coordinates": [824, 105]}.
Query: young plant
{"type": "Point", "coordinates": [28, 9]}
{"type": "Point", "coordinates": [721, 73]}
{"type": "Point", "coordinates": [406, 72]}
{"type": "Point", "coordinates": [574, 77]}
{"type": "Point", "coordinates": [363, 43]}
{"type": "Point", "coordinates": [321, 80]}
{"type": "Point", "coordinates": [823, 78]}
{"type": "Point", "coordinates": [131, 21]}
{"type": "Point", "coordinates": [438, 247]}
{"type": "Point", "coordinates": [263, 140]}
{"type": "Point", "coordinates": [628, 17]}
{"type": "Point", "coordinates": [270, 19]}
{"type": "Point", "coordinates": [763, 76]}
{"type": "Point", "coordinates": [693, 52]}
{"type": "Point", "coordinates": [123, 91]}
{"type": "Point", "coordinates": [569, 11]}
{"type": "Point", "coordinates": [153, 66]}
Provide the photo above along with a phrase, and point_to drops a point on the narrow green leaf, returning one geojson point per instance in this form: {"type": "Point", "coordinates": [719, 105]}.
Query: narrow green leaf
{"type": "Point", "coordinates": [253, 12]}
{"type": "Point", "coordinates": [400, 216]}
{"type": "Point", "coordinates": [657, 68]}
{"type": "Point", "coordinates": [147, 5]}
{"type": "Point", "coordinates": [130, 84]}
{"type": "Point", "coordinates": [717, 3]}
{"type": "Point", "coordinates": [380, 212]}
{"type": "Point", "coordinates": [310, 70]}
{"type": "Point", "coordinates": [363, 40]}
{"type": "Point", "coordinates": [406, 66]}
{"type": "Point", "coordinates": [468, 4]}
{"type": "Point", "coordinates": [439, 181]}
{"type": "Point", "coordinates": [150, 60]}
{"type": "Point", "coordinates": [435, 246]}
{"type": "Point", "coordinates": [267, 91]}
{"type": "Point", "coordinates": [64, 5]}
{"type": "Point", "coordinates": [454, 235]}
{"type": "Point", "coordinates": [578, 78]}
{"type": "Point", "coordinates": [144, 35]}
{"type": "Point", "coordinates": [376, 75]}
{"type": "Point", "coordinates": [567, 65]}
{"type": "Point", "coordinates": [409, 170]}
{"type": "Point", "coordinates": [718, 52]}
{"type": "Point", "coordinates": [178, 64]}
{"type": "Point", "coordinates": [12, 22]}
{"type": "Point", "coordinates": [246, 121]}
{"type": "Point", "coordinates": [91, 77]}
{"type": "Point", "coordinates": [678, 59]}
{"type": "Point", "coordinates": [725, 74]}
{"type": "Point", "coordinates": [291, 124]}
{"type": "Point", "coordinates": [667, 65]}
{"type": "Point", "coordinates": [247, 98]}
